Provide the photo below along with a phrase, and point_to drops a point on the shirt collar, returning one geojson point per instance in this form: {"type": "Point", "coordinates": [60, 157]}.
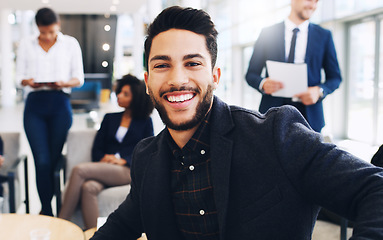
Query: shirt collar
{"type": "Point", "coordinates": [194, 144]}
{"type": "Point", "coordinates": [60, 37]}
{"type": "Point", "coordinates": [303, 27]}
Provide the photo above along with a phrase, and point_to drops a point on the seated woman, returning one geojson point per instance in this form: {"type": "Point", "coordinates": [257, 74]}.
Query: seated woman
{"type": "Point", "coordinates": [111, 152]}
{"type": "Point", "coordinates": [2, 179]}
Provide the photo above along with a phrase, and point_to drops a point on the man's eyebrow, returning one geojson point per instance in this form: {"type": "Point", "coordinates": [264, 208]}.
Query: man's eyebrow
{"type": "Point", "coordinates": [160, 57]}
{"type": "Point", "coordinates": [190, 56]}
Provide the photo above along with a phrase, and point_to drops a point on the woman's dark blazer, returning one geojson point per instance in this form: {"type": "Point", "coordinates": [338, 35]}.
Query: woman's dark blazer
{"type": "Point", "coordinates": [105, 141]}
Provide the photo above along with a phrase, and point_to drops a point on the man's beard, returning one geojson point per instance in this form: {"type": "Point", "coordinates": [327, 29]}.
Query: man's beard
{"type": "Point", "coordinates": [201, 110]}
{"type": "Point", "coordinates": [302, 16]}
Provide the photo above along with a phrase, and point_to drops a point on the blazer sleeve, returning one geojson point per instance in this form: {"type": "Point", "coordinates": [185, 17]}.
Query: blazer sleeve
{"type": "Point", "coordinates": [331, 67]}
{"type": "Point", "coordinates": [125, 222]}
{"type": "Point", "coordinates": [257, 62]}
{"type": "Point", "coordinates": [148, 131]}
{"type": "Point", "coordinates": [100, 140]}
{"type": "Point", "coordinates": [329, 177]}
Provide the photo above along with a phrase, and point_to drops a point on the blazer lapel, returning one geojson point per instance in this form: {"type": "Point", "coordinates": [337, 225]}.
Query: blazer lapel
{"type": "Point", "coordinates": [115, 124]}
{"type": "Point", "coordinates": [132, 128]}
{"type": "Point", "coordinates": [311, 43]}
{"type": "Point", "coordinates": [158, 210]}
{"type": "Point", "coordinates": [221, 155]}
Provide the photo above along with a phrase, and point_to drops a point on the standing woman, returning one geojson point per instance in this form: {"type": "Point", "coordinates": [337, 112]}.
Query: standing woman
{"type": "Point", "coordinates": [48, 66]}
{"type": "Point", "coordinates": [111, 151]}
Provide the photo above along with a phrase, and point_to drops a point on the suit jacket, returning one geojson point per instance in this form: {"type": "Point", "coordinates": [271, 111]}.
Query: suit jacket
{"type": "Point", "coordinates": [269, 172]}
{"type": "Point", "coordinates": [320, 53]}
{"type": "Point", "coordinates": [105, 141]}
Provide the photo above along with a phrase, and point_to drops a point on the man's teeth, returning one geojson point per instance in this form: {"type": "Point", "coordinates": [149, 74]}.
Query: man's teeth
{"type": "Point", "coordinates": [180, 98]}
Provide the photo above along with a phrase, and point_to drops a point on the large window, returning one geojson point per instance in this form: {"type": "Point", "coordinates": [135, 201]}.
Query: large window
{"type": "Point", "coordinates": [365, 81]}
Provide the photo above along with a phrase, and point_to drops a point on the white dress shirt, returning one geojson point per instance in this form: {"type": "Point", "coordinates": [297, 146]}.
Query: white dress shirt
{"type": "Point", "coordinates": [62, 62]}
{"type": "Point", "coordinates": [301, 44]}
{"type": "Point", "coordinates": [120, 134]}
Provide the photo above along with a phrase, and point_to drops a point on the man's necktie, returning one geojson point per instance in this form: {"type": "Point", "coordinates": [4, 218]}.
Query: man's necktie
{"type": "Point", "coordinates": [291, 57]}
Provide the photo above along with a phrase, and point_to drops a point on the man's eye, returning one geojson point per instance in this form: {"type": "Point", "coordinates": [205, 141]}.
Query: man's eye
{"type": "Point", "coordinates": [161, 66]}
{"type": "Point", "coordinates": [192, 64]}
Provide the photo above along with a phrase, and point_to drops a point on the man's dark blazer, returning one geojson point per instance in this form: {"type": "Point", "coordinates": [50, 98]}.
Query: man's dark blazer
{"type": "Point", "coordinates": [320, 53]}
{"type": "Point", "coordinates": [269, 173]}
{"type": "Point", "coordinates": [105, 141]}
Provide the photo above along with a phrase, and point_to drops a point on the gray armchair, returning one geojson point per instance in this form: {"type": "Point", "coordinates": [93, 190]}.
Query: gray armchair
{"type": "Point", "coordinates": [13, 165]}
{"type": "Point", "coordinates": [79, 145]}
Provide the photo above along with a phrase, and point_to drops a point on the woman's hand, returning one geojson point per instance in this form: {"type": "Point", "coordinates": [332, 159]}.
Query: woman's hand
{"type": "Point", "coordinates": [57, 85]}
{"type": "Point", "coordinates": [108, 158]}
{"type": "Point", "coordinates": [31, 82]}
{"type": "Point", "coordinates": [111, 158]}
{"type": "Point", "coordinates": [61, 84]}
{"type": "Point", "coordinates": [1, 160]}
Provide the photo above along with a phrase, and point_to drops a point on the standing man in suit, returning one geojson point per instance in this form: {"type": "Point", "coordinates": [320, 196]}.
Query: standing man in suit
{"type": "Point", "coordinates": [223, 172]}
{"type": "Point", "coordinates": [297, 41]}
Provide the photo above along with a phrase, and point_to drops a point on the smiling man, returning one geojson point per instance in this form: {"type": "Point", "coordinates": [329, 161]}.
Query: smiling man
{"type": "Point", "coordinates": [224, 172]}
{"type": "Point", "coordinates": [181, 81]}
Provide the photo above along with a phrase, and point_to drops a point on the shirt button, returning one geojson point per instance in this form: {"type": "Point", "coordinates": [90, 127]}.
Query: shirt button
{"type": "Point", "coordinates": [191, 167]}
{"type": "Point", "coordinates": [203, 152]}
{"type": "Point", "coordinates": [201, 212]}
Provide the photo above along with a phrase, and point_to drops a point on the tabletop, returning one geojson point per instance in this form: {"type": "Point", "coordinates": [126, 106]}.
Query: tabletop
{"type": "Point", "coordinates": [90, 232]}
{"type": "Point", "coordinates": [18, 227]}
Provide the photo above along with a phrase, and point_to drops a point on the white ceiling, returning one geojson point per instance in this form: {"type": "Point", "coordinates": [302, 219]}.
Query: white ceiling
{"type": "Point", "coordinates": [76, 6]}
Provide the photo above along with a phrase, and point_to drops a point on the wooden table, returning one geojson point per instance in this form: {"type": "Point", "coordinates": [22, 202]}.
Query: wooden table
{"type": "Point", "coordinates": [18, 227]}
{"type": "Point", "coordinates": [90, 232]}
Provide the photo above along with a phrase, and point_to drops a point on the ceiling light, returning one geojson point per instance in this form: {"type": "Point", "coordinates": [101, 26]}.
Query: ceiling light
{"type": "Point", "coordinates": [113, 8]}
{"type": "Point", "coordinates": [107, 28]}
{"type": "Point", "coordinates": [116, 2]}
{"type": "Point", "coordinates": [105, 64]}
{"type": "Point", "coordinates": [106, 47]}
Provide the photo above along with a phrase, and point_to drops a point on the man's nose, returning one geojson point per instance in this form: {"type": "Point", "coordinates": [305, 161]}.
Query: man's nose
{"type": "Point", "coordinates": [178, 77]}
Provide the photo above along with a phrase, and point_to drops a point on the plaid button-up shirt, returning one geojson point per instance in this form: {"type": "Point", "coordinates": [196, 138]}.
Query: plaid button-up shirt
{"type": "Point", "coordinates": [192, 189]}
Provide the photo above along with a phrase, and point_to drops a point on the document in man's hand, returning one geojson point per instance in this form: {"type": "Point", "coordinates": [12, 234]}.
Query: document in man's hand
{"type": "Point", "coordinates": [292, 75]}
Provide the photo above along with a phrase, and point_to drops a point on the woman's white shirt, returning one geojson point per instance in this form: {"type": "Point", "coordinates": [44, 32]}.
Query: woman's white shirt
{"type": "Point", "coordinates": [120, 134]}
{"type": "Point", "coordinates": [62, 62]}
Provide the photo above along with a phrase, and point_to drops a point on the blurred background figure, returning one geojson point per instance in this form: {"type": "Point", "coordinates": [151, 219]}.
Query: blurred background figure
{"type": "Point", "coordinates": [48, 66]}
{"type": "Point", "coordinates": [1, 178]}
{"type": "Point", "coordinates": [296, 40]}
{"type": "Point", "coordinates": [111, 152]}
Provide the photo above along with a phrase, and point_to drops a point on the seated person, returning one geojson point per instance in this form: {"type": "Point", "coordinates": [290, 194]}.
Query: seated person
{"type": "Point", "coordinates": [111, 152]}
{"type": "Point", "coordinates": [2, 179]}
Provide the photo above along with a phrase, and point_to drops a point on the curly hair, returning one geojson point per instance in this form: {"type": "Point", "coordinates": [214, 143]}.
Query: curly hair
{"type": "Point", "coordinates": [141, 105]}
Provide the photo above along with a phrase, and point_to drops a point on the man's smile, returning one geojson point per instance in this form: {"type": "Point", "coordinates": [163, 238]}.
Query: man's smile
{"type": "Point", "coordinates": [179, 97]}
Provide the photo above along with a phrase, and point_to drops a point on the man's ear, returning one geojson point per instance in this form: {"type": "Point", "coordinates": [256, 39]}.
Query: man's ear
{"type": "Point", "coordinates": [146, 75]}
{"type": "Point", "coordinates": [216, 76]}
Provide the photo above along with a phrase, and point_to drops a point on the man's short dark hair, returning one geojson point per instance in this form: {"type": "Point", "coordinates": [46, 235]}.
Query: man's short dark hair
{"type": "Point", "coordinates": [141, 106]}
{"type": "Point", "coordinates": [194, 20]}
{"type": "Point", "coordinates": [46, 17]}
